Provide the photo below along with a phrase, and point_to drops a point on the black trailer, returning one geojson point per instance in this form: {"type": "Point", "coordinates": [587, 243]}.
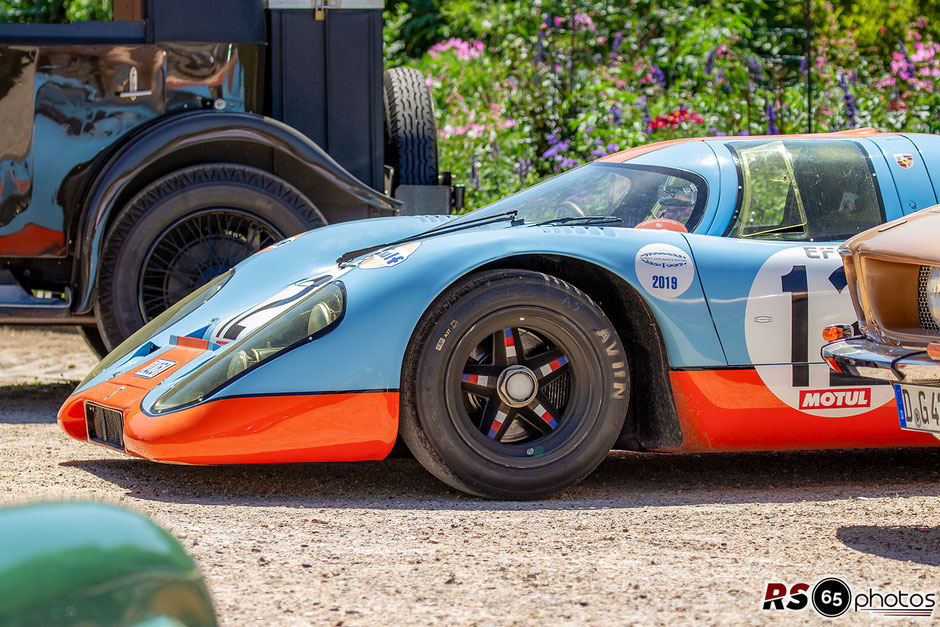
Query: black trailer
{"type": "Point", "coordinates": [144, 155]}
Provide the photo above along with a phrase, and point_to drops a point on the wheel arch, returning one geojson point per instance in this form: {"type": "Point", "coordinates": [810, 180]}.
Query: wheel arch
{"type": "Point", "coordinates": [652, 421]}
{"type": "Point", "coordinates": [198, 138]}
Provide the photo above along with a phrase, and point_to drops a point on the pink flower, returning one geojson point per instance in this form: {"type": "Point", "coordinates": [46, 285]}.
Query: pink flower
{"type": "Point", "coordinates": [464, 50]}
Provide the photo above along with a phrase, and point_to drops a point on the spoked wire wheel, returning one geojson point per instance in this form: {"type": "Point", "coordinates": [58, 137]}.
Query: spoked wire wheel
{"type": "Point", "coordinates": [196, 248]}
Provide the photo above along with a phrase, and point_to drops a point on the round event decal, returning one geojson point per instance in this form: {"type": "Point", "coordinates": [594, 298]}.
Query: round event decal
{"type": "Point", "coordinates": [796, 293]}
{"type": "Point", "coordinates": [665, 271]}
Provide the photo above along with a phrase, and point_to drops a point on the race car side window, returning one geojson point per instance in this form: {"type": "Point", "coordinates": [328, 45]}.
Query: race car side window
{"type": "Point", "coordinates": [804, 190]}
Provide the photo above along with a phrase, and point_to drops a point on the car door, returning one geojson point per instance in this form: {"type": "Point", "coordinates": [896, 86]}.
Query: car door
{"type": "Point", "coordinates": [775, 279]}
{"type": "Point", "coordinates": [67, 92]}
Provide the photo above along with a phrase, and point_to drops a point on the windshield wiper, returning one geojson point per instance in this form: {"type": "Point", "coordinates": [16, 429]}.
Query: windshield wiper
{"type": "Point", "coordinates": [441, 229]}
{"type": "Point", "coordinates": [580, 220]}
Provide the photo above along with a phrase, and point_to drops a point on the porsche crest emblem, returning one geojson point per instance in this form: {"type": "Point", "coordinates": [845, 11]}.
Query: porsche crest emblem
{"type": "Point", "coordinates": [904, 160]}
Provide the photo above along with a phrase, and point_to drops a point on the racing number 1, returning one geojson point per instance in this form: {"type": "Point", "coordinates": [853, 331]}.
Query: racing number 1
{"type": "Point", "coordinates": [794, 283]}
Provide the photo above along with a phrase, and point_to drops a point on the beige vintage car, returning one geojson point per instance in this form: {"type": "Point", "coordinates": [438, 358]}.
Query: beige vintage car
{"type": "Point", "coordinates": [893, 274]}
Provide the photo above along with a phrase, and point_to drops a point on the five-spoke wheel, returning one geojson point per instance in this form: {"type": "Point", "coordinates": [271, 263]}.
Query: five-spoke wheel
{"type": "Point", "coordinates": [516, 386]}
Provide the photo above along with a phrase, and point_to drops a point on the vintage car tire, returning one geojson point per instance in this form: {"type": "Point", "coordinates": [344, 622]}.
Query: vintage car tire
{"type": "Point", "coordinates": [189, 212]}
{"type": "Point", "coordinates": [446, 429]}
{"type": "Point", "coordinates": [410, 128]}
{"type": "Point", "coordinates": [93, 340]}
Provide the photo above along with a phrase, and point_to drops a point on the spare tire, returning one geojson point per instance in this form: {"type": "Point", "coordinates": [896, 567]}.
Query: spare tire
{"type": "Point", "coordinates": [410, 128]}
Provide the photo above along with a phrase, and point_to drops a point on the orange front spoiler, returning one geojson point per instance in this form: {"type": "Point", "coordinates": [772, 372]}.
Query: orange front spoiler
{"type": "Point", "coordinates": [343, 426]}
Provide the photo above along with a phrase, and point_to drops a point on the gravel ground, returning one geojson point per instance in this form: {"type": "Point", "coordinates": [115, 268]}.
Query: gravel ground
{"type": "Point", "coordinates": [651, 539]}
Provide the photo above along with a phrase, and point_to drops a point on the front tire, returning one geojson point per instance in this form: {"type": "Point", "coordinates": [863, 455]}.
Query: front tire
{"type": "Point", "coordinates": [184, 229]}
{"type": "Point", "coordinates": [516, 386]}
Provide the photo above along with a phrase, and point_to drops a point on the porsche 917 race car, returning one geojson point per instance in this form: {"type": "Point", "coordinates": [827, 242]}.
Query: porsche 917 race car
{"type": "Point", "coordinates": [670, 297]}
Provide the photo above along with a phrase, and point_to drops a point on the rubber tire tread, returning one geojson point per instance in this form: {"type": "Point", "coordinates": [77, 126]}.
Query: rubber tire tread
{"type": "Point", "coordinates": [411, 128]}
{"type": "Point", "coordinates": [410, 428]}
{"type": "Point", "coordinates": [143, 207]}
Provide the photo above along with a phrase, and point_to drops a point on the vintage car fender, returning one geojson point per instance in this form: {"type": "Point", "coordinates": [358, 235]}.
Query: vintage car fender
{"type": "Point", "coordinates": [152, 143]}
{"type": "Point", "coordinates": [92, 564]}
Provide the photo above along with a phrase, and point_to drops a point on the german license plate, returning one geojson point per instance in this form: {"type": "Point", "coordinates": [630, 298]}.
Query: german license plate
{"type": "Point", "coordinates": [918, 407]}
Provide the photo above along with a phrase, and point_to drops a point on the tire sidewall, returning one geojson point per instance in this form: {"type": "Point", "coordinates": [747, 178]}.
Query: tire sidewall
{"type": "Point", "coordinates": [135, 230]}
{"type": "Point", "coordinates": [593, 435]}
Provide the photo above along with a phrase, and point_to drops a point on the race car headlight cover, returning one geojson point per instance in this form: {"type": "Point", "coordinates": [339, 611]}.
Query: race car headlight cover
{"type": "Point", "coordinates": [165, 320]}
{"type": "Point", "coordinates": [310, 318]}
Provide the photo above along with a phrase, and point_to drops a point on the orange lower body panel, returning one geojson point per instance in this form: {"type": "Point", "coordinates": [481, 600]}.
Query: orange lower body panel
{"type": "Point", "coordinates": [254, 430]}
{"type": "Point", "coordinates": [732, 410]}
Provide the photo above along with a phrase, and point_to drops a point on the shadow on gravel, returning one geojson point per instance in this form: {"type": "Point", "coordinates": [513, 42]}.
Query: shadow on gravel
{"type": "Point", "coordinates": [624, 480]}
{"type": "Point", "coordinates": [905, 544]}
{"type": "Point", "coordinates": [35, 403]}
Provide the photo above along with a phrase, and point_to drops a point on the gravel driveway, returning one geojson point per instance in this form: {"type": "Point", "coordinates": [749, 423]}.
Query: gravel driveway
{"type": "Point", "coordinates": [646, 539]}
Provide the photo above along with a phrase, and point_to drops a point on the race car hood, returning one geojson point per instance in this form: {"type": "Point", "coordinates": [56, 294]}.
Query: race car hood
{"type": "Point", "coordinates": [388, 291]}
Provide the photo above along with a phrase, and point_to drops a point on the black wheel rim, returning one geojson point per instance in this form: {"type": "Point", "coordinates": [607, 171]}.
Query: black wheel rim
{"type": "Point", "coordinates": [196, 248]}
{"type": "Point", "coordinates": [526, 431]}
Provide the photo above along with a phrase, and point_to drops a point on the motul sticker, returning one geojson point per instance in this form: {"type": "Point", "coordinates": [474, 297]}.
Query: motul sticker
{"type": "Point", "coordinates": [155, 368]}
{"type": "Point", "coordinates": [904, 160]}
{"type": "Point", "coordinates": [835, 399]}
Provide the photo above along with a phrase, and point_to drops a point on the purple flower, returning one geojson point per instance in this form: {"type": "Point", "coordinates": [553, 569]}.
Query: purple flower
{"type": "Point", "coordinates": [598, 153]}
{"type": "Point", "coordinates": [567, 163]}
{"type": "Point", "coordinates": [615, 45]}
{"type": "Point", "coordinates": [616, 114]}
{"type": "Point", "coordinates": [659, 76]}
{"type": "Point", "coordinates": [710, 63]}
{"type": "Point", "coordinates": [554, 151]}
{"type": "Point", "coordinates": [770, 112]}
{"type": "Point", "coordinates": [522, 168]}
{"type": "Point", "coordinates": [753, 68]}
{"type": "Point", "coordinates": [647, 118]}
{"type": "Point", "coordinates": [613, 148]}
{"type": "Point", "coordinates": [850, 107]}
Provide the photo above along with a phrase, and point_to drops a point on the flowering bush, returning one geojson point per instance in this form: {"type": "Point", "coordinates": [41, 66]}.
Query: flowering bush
{"type": "Point", "coordinates": [527, 89]}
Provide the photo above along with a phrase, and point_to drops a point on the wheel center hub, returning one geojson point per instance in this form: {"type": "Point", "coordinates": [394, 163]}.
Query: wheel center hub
{"type": "Point", "coordinates": [517, 386]}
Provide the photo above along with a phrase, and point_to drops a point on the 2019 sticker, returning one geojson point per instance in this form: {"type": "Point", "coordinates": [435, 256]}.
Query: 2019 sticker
{"type": "Point", "coordinates": [665, 271]}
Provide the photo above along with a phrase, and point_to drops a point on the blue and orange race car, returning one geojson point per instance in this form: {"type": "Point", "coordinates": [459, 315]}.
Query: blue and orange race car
{"type": "Point", "coordinates": [670, 298]}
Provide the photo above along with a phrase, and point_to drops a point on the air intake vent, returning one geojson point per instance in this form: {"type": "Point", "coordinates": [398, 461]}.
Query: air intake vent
{"type": "Point", "coordinates": [105, 425]}
{"type": "Point", "coordinates": [923, 309]}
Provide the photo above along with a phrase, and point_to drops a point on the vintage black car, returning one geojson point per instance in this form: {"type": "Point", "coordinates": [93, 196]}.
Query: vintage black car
{"type": "Point", "coordinates": [144, 155]}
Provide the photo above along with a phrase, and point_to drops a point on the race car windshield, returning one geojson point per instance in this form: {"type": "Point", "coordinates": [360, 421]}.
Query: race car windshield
{"type": "Point", "coordinates": [632, 193]}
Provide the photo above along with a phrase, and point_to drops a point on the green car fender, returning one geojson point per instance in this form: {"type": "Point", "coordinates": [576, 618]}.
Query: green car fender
{"type": "Point", "coordinates": [77, 563]}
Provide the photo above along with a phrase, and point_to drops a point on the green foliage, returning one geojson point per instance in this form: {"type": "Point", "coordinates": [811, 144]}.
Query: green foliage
{"type": "Point", "coordinates": [527, 89]}
{"type": "Point", "coordinates": [54, 11]}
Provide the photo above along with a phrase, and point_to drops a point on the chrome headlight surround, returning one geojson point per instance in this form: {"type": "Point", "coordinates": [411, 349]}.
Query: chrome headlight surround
{"type": "Point", "coordinates": [310, 318]}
